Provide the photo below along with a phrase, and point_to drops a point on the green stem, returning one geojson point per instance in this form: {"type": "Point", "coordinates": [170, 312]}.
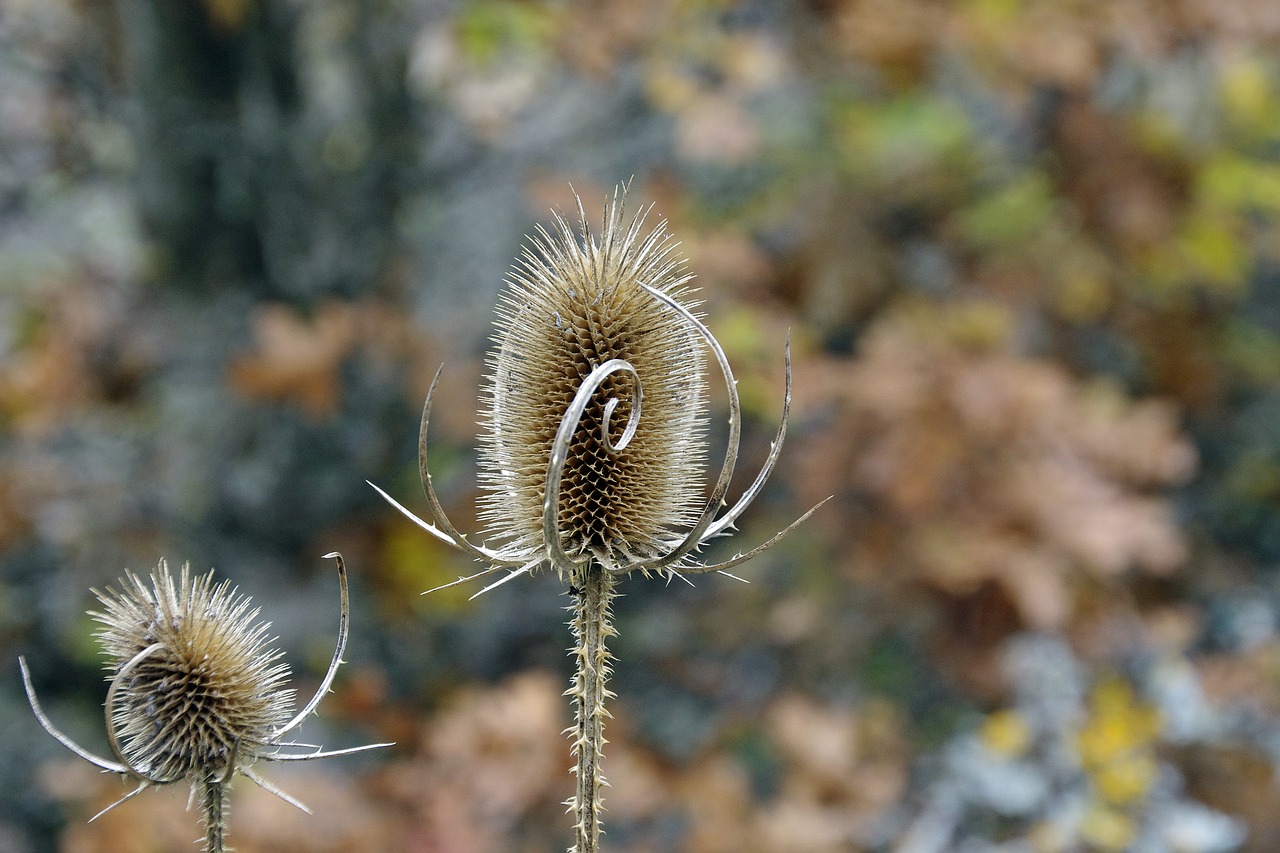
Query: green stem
{"type": "Point", "coordinates": [593, 590]}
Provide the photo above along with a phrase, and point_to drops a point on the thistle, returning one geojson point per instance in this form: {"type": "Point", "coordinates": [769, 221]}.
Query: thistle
{"type": "Point", "coordinates": [594, 434]}
{"type": "Point", "coordinates": [196, 693]}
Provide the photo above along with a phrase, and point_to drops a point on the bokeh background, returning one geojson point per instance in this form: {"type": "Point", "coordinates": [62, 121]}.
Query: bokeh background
{"type": "Point", "coordinates": [1028, 252]}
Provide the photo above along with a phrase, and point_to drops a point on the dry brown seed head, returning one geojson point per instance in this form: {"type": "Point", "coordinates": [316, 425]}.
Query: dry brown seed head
{"type": "Point", "coordinates": [209, 694]}
{"type": "Point", "coordinates": [571, 306]}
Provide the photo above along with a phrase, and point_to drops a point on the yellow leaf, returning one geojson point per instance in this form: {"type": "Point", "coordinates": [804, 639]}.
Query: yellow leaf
{"type": "Point", "coordinates": [1247, 95]}
{"type": "Point", "coordinates": [996, 11]}
{"type": "Point", "coordinates": [1107, 829]}
{"type": "Point", "coordinates": [489, 29]}
{"type": "Point", "coordinates": [1006, 733]}
{"type": "Point", "coordinates": [1011, 214]}
{"type": "Point", "coordinates": [1214, 253]}
{"type": "Point", "coordinates": [1239, 183]}
{"type": "Point", "coordinates": [888, 141]}
{"type": "Point", "coordinates": [412, 564]}
{"type": "Point", "coordinates": [1126, 780]}
{"type": "Point", "coordinates": [1082, 297]}
{"type": "Point", "coordinates": [1116, 743]}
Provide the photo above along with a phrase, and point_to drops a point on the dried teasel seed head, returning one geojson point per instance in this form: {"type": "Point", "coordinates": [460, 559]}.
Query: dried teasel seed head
{"type": "Point", "coordinates": [570, 307]}
{"type": "Point", "coordinates": [196, 692]}
{"type": "Point", "coordinates": [196, 687]}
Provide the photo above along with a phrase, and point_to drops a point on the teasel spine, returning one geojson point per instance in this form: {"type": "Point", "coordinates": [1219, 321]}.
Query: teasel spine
{"type": "Point", "coordinates": [593, 590]}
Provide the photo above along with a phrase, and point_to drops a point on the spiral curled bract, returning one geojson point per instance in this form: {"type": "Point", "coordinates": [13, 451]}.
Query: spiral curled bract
{"type": "Point", "coordinates": [570, 307]}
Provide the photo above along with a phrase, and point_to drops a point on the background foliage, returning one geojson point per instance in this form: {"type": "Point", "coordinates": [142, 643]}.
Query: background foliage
{"type": "Point", "coordinates": [1027, 253]}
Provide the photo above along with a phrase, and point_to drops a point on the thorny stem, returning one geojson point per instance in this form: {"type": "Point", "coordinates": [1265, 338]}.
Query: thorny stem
{"type": "Point", "coordinates": [593, 590]}
{"type": "Point", "coordinates": [213, 814]}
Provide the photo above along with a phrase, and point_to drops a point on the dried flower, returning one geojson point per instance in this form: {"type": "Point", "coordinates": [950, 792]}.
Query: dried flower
{"type": "Point", "coordinates": [587, 335]}
{"type": "Point", "coordinates": [594, 426]}
{"type": "Point", "coordinates": [197, 694]}
{"type": "Point", "coordinates": [627, 483]}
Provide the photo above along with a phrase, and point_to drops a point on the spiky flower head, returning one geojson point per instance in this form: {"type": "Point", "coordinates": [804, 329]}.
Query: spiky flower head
{"type": "Point", "coordinates": [197, 693]}
{"type": "Point", "coordinates": [595, 410]}
{"type": "Point", "coordinates": [195, 679]}
{"type": "Point", "coordinates": [570, 307]}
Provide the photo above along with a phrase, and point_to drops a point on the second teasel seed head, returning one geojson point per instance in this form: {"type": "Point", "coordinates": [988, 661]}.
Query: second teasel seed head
{"type": "Point", "coordinates": [197, 692]}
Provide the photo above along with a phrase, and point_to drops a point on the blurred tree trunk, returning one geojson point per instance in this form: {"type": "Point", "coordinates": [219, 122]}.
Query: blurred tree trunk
{"type": "Point", "coordinates": [269, 136]}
